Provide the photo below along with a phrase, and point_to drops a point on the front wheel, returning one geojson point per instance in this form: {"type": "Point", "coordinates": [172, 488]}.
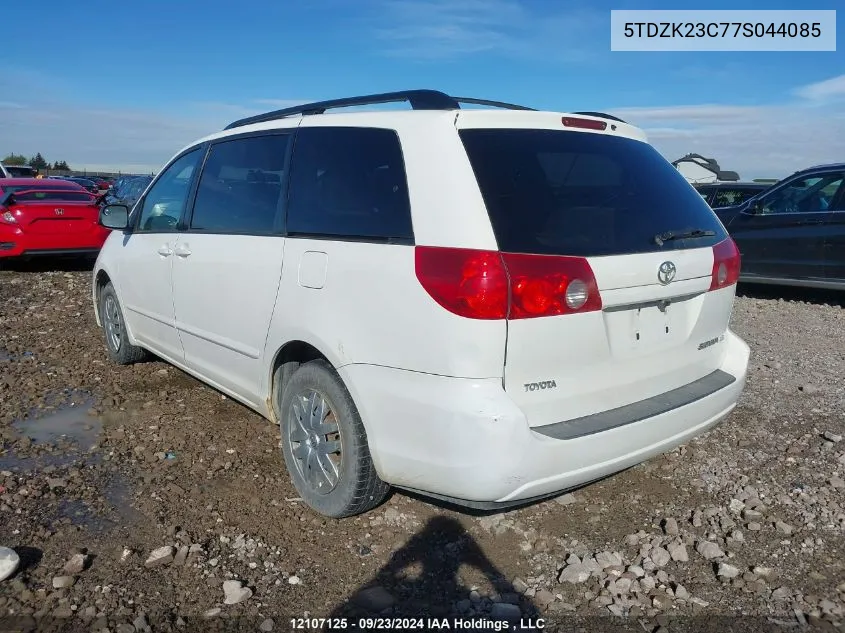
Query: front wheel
{"type": "Point", "coordinates": [120, 350]}
{"type": "Point", "coordinates": [325, 445]}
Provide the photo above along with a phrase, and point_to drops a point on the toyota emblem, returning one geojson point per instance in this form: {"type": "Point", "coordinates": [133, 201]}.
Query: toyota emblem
{"type": "Point", "coordinates": [666, 273]}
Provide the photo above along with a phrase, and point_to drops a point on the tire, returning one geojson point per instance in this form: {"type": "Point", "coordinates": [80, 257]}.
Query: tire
{"type": "Point", "coordinates": [335, 484]}
{"type": "Point", "coordinates": [119, 349]}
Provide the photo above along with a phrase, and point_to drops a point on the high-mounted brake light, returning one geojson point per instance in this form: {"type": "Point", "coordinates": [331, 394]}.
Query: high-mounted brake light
{"type": "Point", "coordinates": [587, 124]}
{"type": "Point", "coordinates": [726, 264]}
{"type": "Point", "coordinates": [480, 284]}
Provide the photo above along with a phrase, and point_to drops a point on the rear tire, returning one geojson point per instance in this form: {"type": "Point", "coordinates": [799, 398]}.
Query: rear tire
{"type": "Point", "coordinates": [119, 349]}
{"type": "Point", "coordinates": [325, 445]}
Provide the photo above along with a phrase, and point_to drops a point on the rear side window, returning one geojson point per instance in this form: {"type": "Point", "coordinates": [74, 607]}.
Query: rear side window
{"type": "Point", "coordinates": [704, 192]}
{"type": "Point", "coordinates": [240, 189]}
{"type": "Point", "coordinates": [729, 197]}
{"type": "Point", "coordinates": [583, 194]}
{"type": "Point", "coordinates": [349, 183]}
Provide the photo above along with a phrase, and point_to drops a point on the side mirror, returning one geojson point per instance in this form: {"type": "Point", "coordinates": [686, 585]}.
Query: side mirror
{"type": "Point", "coordinates": [115, 216]}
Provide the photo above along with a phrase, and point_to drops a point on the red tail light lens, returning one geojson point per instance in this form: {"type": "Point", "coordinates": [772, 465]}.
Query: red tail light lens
{"type": "Point", "coordinates": [549, 285]}
{"type": "Point", "coordinates": [491, 285]}
{"type": "Point", "coordinates": [587, 124]}
{"type": "Point", "coordinates": [726, 264]}
{"type": "Point", "coordinates": [469, 283]}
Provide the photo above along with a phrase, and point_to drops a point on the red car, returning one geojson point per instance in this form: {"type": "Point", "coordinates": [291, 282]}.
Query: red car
{"type": "Point", "coordinates": [48, 217]}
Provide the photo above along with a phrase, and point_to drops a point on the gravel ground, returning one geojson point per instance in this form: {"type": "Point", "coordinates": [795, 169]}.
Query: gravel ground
{"type": "Point", "coordinates": [139, 499]}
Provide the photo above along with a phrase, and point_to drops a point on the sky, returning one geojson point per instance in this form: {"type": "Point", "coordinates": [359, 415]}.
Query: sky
{"type": "Point", "coordinates": [123, 86]}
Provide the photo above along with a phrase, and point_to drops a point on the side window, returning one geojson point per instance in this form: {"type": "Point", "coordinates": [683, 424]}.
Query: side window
{"type": "Point", "coordinates": [704, 192]}
{"type": "Point", "coordinates": [809, 194]}
{"type": "Point", "coordinates": [730, 197]}
{"type": "Point", "coordinates": [241, 185]}
{"type": "Point", "coordinates": [349, 183]}
{"type": "Point", "coordinates": [166, 200]}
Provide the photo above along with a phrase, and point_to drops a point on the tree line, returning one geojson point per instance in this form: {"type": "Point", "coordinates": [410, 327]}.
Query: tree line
{"type": "Point", "coordinates": [36, 162]}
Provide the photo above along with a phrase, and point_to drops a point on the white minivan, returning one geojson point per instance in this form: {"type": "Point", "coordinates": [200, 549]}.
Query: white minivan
{"type": "Point", "coordinates": [487, 305]}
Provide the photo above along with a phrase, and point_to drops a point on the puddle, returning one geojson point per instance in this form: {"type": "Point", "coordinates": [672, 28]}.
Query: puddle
{"type": "Point", "coordinates": [61, 434]}
{"type": "Point", "coordinates": [70, 423]}
{"type": "Point", "coordinates": [7, 356]}
{"type": "Point", "coordinates": [117, 510]}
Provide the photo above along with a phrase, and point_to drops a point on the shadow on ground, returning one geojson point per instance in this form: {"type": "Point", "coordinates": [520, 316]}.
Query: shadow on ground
{"type": "Point", "coordinates": [45, 264]}
{"type": "Point", "coordinates": [790, 293]}
{"type": "Point", "coordinates": [423, 580]}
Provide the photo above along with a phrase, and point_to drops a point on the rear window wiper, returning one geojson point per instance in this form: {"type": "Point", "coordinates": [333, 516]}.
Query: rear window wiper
{"type": "Point", "coordinates": [681, 235]}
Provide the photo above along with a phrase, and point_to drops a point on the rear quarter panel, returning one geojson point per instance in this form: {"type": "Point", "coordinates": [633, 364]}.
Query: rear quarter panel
{"type": "Point", "coordinates": [370, 309]}
{"type": "Point", "coordinates": [361, 302]}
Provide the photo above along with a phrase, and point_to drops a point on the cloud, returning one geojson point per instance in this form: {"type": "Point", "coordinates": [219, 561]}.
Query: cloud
{"type": "Point", "coordinates": [443, 29]}
{"type": "Point", "coordinates": [114, 139]}
{"type": "Point", "coordinates": [756, 141]}
{"type": "Point", "coordinates": [823, 90]}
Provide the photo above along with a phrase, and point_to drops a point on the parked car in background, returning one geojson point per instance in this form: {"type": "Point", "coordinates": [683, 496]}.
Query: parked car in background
{"type": "Point", "coordinates": [258, 258]}
{"type": "Point", "coordinates": [118, 182]}
{"type": "Point", "coordinates": [727, 194]}
{"type": "Point", "coordinates": [17, 171]}
{"type": "Point", "coordinates": [102, 183]}
{"type": "Point", "coordinates": [47, 217]}
{"type": "Point", "coordinates": [128, 191]}
{"type": "Point", "coordinates": [86, 183]}
{"type": "Point", "coordinates": [794, 232]}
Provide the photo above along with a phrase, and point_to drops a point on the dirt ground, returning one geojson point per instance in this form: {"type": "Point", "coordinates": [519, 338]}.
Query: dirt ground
{"type": "Point", "coordinates": [139, 499]}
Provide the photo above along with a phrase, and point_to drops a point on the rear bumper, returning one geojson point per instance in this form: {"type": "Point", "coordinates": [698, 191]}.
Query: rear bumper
{"type": "Point", "coordinates": [466, 441]}
{"type": "Point", "coordinates": [16, 243]}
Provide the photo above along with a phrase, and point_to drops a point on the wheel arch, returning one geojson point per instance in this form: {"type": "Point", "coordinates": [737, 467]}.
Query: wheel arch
{"type": "Point", "coordinates": [101, 279]}
{"type": "Point", "coordinates": [286, 360]}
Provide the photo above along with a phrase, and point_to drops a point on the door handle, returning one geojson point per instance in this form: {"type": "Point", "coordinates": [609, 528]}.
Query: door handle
{"type": "Point", "coordinates": [182, 250]}
{"type": "Point", "coordinates": [165, 251]}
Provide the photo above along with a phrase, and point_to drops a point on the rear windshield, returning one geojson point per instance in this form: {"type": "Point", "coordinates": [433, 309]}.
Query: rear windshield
{"type": "Point", "coordinates": [584, 194]}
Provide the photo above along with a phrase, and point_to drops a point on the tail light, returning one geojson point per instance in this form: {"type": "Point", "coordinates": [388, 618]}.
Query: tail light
{"type": "Point", "coordinates": [469, 283]}
{"type": "Point", "coordinates": [726, 264]}
{"type": "Point", "coordinates": [480, 284]}
{"type": "Point", "coordinates": [586, 124]}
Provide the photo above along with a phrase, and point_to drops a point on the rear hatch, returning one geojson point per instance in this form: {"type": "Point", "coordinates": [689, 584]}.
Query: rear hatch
{"type": "Point", "coordinates": [604, 207]}
{"type": "Point", "coordinates": [53, 211]}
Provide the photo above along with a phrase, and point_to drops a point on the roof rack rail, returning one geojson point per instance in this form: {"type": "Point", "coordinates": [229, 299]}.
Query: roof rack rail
{"type": "Point", "coordinates": [493, 104]}
{"type": "Point", "coordinates": [601, 115]}
{"type": "Point", "coordinates": [419, 100]}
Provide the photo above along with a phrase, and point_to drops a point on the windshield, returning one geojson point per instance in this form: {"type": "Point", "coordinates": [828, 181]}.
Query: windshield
{"type": "Point", "coordinates": [584, 194]}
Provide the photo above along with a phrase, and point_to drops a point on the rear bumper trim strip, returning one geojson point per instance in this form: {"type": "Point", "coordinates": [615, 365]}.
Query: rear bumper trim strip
{"type": "Point", "coordinates": [638, 411]}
